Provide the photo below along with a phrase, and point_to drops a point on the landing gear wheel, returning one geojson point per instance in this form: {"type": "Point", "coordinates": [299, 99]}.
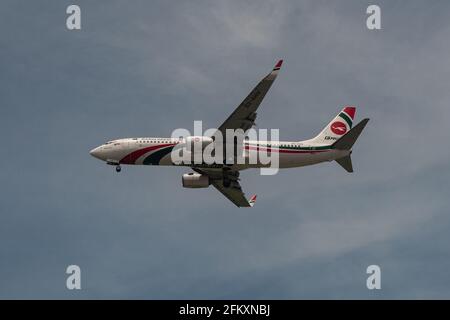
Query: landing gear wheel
{"type": "Point", "coordinates": [118, 168]}
{"type": "Point", "coordinates": [225, 179]}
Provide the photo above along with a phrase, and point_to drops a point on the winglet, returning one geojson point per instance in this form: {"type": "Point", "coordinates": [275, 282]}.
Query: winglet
{"type": "Point", "coordinates": [278, 65]}
{"type": "Point", "coordinates": [252, 200]}
{"type": "Point", "coordinates": [273, 74]}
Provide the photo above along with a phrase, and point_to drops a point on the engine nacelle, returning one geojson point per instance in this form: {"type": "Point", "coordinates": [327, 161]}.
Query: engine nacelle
{"type": "Point", "coordinates": [197, 143]}
{"type": "Point", "coordinates": [195, 180]}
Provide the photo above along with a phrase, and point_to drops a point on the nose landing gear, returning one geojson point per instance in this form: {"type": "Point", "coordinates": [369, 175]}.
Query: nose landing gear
{"type": "Point", "coordinates": [114, 163]}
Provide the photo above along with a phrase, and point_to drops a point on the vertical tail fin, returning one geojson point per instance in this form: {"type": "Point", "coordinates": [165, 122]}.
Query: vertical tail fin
{"type": "Point", "coordinates": [339, 126]}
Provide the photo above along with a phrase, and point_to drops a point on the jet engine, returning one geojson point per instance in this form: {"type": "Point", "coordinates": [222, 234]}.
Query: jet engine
{"type": "Point", "coordinates": [195, 180]}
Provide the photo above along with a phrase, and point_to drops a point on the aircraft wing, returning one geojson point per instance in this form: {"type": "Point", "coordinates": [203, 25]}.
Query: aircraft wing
{"type": "Point", "coordinates": [244, 116]}
{"type": "Point", "coordinates": [234, 192]}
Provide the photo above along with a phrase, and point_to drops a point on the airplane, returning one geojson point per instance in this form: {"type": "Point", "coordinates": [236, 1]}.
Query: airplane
{"type": "Point", "coordinates": [334, 142]}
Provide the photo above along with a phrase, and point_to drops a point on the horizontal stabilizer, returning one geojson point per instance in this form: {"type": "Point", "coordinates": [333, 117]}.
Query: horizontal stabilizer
{"type": "Point", "coordinates": [346, 163]}
{"type": "Point", "coordinates": [347, 141]}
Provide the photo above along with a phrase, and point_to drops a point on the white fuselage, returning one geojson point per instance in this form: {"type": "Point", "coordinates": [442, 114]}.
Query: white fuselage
{"type": "Point", "coordinates": [157, 151]}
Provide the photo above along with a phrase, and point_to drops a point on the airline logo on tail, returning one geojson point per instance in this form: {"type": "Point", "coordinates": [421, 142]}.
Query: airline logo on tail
{"type": "Point", "coordinates": [338, 128]}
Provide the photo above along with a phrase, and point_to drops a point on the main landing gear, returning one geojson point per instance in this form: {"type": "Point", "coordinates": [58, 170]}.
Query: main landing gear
{"type": "Point", "coordinates": [228, 177]}
{"type": "Point", "coordinates": [118, 168]}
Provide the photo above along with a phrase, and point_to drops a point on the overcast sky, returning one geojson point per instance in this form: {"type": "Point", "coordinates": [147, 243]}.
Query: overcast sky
{"type": "Point", "coordinates": [144, 68]}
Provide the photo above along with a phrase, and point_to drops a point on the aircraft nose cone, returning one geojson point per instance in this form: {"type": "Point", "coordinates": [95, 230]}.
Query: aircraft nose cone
{"type": "Point", "coordinates": [95, 153]}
